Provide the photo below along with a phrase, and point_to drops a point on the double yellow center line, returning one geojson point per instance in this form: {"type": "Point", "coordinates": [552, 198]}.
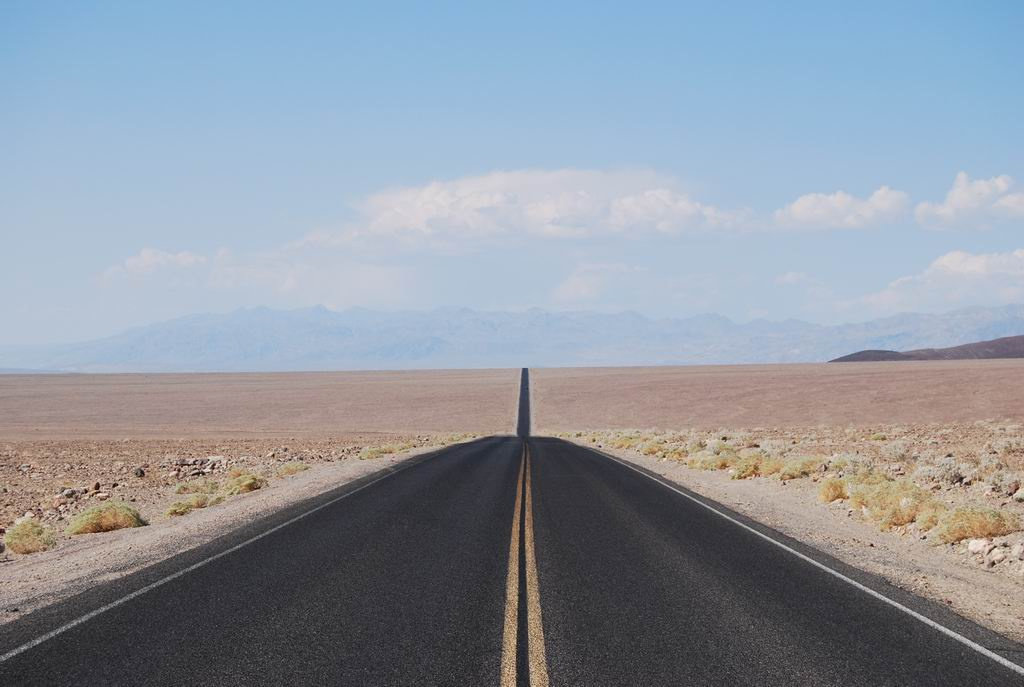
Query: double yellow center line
{"type": "Point", "coordinates": [523, 660]}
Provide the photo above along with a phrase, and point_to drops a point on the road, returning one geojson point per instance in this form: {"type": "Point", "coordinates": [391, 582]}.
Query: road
{"type": "Point", "coordinates": [508, 560]}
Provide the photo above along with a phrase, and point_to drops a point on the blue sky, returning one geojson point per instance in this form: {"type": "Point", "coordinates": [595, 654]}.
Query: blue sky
{"type": "Point", "coordinates": [829, 162]}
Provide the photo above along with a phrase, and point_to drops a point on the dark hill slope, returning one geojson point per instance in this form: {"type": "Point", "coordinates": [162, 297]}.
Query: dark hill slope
{"type": "Point", "coordinates": [1006, 347]}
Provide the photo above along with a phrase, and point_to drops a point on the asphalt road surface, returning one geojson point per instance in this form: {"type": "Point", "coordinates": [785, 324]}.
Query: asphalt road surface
{"type": "Point", "coordinates": [508, 560]}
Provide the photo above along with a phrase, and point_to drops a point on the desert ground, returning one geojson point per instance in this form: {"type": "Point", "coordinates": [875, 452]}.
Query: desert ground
{"type": "Point", "coordinates": [777, 395]}
{"type": "Point", "coordinates": [302, 405]}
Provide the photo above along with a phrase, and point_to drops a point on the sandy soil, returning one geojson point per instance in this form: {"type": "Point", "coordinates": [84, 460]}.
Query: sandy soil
{"type": "Point", "coordinates": [33, 581]}
{"type": "Point", "coordinates": [777, 395]}
{"type": "Point", "coordinates": [305, 405]}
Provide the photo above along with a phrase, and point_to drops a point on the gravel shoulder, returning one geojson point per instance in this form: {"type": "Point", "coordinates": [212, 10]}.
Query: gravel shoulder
{"type": "Point", "coordinates": [943, 573]}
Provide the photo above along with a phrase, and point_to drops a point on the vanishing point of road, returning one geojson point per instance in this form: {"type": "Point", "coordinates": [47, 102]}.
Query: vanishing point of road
{"type": "Point", "coordinates": [510, 560]}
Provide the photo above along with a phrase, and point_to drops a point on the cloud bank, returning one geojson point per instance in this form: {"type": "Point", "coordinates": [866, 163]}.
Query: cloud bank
{"type": "Point", "coordinates": [840, 210]}
{"type": "Point", "coordinates": [956, 279]}
{"type": "Point", "coordinates": [972, 203]}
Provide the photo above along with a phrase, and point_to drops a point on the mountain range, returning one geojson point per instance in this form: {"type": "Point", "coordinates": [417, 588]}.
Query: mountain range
{"type": "Point", "coordinates": [263, 339]}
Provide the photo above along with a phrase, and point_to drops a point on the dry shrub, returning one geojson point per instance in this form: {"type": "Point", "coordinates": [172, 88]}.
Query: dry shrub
{"type": "Point", "coordinates": [371, 452]}
{"type": "Point", "coordinates": [29, 536]}
{"type": "Point", "coordinates": [651, 448]}
{"type": "Point", "coordinates": [771, 466]}
{"type": "Point", "coordinates": [712, 461]}
{"type": "Point", "coordinates": [196, 501]}
{"type": "Point", "coordinates": [867, 476]}
{"type": "Point", "coordinates": [203, 486]}
{"type": "Point", "coordinates": [623, 443]}
{"type": "Point", "coordinates": [975, 523]}
{"type": "Point", "coordinates": [897, 502]}
{"type": "Point", "coordinates": [930, 514]}
{"type": "Point", "coordinates": [106, 517]}
{"type": "Point", "coordinates": [799, 468]}
{"type": "Point", "coordinates": [748, 466]}
{"type": "Point", "coordinates": [289, 469]}
{"type": "Point", "coordinates": [832, 490]}
{"type": "Point", "coordinates": [678, 454]}
{"type": "Point", "coordinates": [244, 483]}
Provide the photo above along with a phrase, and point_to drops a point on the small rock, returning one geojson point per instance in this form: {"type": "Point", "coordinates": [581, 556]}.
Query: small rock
{"type": "Point", "coordinates": [96, 486]}
{"type": "Point", "coordinates": [1012, 488]}
{"type": "Point", "coordinates": [102, 495]}
{"type": "Point", "coordinates": [995, 557]}
{"type": "Point", "coordinates": [1017, 552]}
{"type": "Point", "coordinates": [139, 472]}
{"type": "Point", "coordinates": [1019, 496]}
{"type": "Point", "coordinates": [976, 546]}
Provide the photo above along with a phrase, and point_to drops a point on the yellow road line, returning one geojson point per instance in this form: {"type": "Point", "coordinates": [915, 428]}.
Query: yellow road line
{"type": "Point", "coordinates": [537, 654]}
{"type": "Point", "coordinates": [508, 644]}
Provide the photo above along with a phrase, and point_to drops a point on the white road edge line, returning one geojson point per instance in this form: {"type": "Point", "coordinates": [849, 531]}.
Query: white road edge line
{"type": "Point", "coordinates": [835, 573]}
{"type": "Point", "coordinates": [195, 566]}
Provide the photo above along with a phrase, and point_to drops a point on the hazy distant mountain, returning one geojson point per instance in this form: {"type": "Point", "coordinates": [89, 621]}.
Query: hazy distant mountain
{"type": "Point", "coordinates": [1005, 347]}
{"type": "Point", "coordinates": [319, 339]}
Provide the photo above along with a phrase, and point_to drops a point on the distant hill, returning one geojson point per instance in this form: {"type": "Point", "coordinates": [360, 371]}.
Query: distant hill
{"type": "Point", "coordinates": [1005, 347]}
{"type": "Point", "coordinates": [262, 339]}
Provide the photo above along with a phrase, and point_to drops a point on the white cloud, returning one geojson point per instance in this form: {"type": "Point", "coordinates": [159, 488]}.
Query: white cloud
{"type": "Point", "coordinates": [151, 259]}
{"type": "Point", "coordinates": [563, 203]}
{"type": "Point", "coordinates": [840, 210]}
{"type": "Point", "coordinates": [956, 279]}
{"type": "Point", "coordinates": [972, 202]}
{"type": "Point", "coordinates": [1012, 204]}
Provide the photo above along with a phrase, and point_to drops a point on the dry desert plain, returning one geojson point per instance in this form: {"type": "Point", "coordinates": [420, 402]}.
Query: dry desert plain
{"type": "Point", "coordinates": [944, 435]}
{"type": "Point", "coordinates": [810, 395]}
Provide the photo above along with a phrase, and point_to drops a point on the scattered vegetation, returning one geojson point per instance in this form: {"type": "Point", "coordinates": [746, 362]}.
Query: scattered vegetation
{"type": "Point", "coordinates": [869, 475]}
{"type": "Point", "coordinates": [371, 452]}
{"type": "Point", "coordinates": [895, 503]}
{"type": "Point", "coordinates": [795, 469]}
{"type": "Point", "coordinates": [289, 469]}
{"type": "Point", "coordinates": [748, 466]}
{"type": "Point", "coordinates": [975, 523]}
{"type": "Point", "coordinates": [29, 536]}
{"type": "Point", "coordinates": [832, 490]}
{"type": "Point", "coordinates": [106, 517]}
{"type": "Point", "coordinates": [196, 501]}
{"type": "Point", "coordinates": [244, 482]}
